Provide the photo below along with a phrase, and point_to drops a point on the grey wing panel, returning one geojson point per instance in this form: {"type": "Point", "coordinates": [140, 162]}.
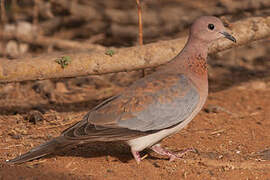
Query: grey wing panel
{"type": "Point", "coordinates": [150, 105]}
{"type": "Point", "coordinates": [171, 106]}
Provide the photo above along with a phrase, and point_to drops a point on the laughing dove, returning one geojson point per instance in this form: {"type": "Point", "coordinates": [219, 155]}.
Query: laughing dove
{"type": "Point", "coordinates": [153, 107]}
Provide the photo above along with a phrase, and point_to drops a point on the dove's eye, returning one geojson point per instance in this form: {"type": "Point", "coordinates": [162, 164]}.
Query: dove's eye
{"type": "Point", "coordinates": [211, 26]}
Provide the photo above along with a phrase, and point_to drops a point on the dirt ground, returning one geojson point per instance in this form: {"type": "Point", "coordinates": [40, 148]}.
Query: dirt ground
{"type": "Point", "coordinates": [231, 133]}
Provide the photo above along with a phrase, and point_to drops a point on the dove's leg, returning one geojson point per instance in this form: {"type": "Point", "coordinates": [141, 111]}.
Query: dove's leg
{"type": "Point", "coordinates": [158, 149]}
{"type": "Point", "coordinates": [136, 156]}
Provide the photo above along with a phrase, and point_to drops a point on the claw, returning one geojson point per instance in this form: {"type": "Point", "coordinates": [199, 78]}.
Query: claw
{"type": "Point", "coordinates": [136, 156]}
{"type": "Point", "coordinates": [158, 149]}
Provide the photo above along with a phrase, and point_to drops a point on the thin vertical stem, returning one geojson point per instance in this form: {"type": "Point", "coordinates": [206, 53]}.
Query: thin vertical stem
{"type": "Point", "coordinates": [3, 12]}
{"type": "Point", "coordinates": [35, 13]}
{"type": "Point", "coordinates": [140, 22]}
{"type": "Point", "coordinates": [3, 21]}
{"type": "Point", "coordinates": [14, 9]}
{"type": "Point", "coordinates": [140, 27]}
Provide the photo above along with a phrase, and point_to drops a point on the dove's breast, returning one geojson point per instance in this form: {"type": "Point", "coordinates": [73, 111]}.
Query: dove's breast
{"type": "Point", "coordinates": [139, 144]}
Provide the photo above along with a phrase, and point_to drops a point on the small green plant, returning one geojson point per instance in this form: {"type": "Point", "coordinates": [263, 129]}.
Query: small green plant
{"type": "Point", "coordinates": [110, 52]}
{"type": "Point", "coordinates": [63, 61]}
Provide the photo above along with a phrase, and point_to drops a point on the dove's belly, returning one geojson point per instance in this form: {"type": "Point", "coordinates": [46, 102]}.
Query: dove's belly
{"type": "Point", "coordinates": [143, 142]}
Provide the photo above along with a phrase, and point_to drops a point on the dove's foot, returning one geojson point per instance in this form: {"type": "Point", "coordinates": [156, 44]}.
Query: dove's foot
{"type": "Point", "coordinates": [136, 156]}
{"type": "Point", "coordinates": [158, 149]}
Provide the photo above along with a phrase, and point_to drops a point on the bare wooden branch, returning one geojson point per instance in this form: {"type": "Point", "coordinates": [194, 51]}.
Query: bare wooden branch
{"type": "Point", "coordinates": [93, 62]}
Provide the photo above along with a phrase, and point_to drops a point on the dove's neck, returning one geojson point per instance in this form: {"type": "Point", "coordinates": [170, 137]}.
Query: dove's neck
{"type": "Point", "coordinates": [194, 48]}
{"type": "Point", "coordinates": [192, 59]}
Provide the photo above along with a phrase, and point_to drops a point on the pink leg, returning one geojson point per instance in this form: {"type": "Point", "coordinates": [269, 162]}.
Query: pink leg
{"type": "Point", "coordinates": [158, 149]}
{"type": "Point", "coordinates": [136, 156]}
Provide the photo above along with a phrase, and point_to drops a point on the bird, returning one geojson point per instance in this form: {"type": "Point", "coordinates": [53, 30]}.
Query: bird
{"type": "Point", "coordinates": [151, 108]}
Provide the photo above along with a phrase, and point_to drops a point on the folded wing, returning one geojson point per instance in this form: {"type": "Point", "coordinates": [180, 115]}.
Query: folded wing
{"type": "Point", "coordinates": [150, 104]}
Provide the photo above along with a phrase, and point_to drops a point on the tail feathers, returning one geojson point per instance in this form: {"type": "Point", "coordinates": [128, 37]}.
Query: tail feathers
{"type": "Point", "coordinates": [42, 150]}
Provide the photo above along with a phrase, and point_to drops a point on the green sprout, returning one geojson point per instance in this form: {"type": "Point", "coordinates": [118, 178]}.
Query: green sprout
{"type": "Point", "coordinates": [110, 52]}
{"type": "Point", "coordinates": [63, 61]}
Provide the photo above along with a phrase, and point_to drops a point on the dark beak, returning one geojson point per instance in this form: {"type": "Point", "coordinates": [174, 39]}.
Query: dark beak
{"type": "Point", "coordinates": [228, 36]}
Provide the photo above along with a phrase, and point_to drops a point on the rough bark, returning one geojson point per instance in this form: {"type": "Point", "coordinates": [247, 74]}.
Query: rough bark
{"type": "Point", "coordinates": [93, 62]}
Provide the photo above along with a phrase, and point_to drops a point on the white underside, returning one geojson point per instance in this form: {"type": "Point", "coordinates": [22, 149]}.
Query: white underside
{"type": "Point", "coordinates": [143, 142]}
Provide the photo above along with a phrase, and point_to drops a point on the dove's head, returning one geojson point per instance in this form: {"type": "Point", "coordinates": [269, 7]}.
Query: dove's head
{"type": "Point", "coordinates": [209, 28]}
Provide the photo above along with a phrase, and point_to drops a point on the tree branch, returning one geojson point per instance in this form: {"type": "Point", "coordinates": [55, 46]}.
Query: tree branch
{"type": "Point", "coordinates": [98, 61]}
